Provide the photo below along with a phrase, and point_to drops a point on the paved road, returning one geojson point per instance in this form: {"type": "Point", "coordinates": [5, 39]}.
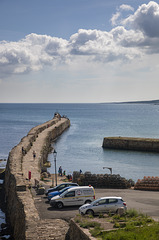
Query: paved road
{"type": "Point", "coordinates": [144, 201]}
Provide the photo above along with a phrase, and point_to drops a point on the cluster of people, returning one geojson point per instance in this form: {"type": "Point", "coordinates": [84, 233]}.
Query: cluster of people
{"type": "Point", "coordinates": [69, 176]}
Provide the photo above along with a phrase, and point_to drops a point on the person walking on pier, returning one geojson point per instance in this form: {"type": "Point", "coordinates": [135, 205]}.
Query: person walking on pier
{"type": "Point", "coordinates": [34, 155]}
{"type": "Point", "coordinates": [60, 171]}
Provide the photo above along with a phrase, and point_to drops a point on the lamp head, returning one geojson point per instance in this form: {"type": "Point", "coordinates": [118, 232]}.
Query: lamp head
{"type": "Point", "coordinates": [55, 153]}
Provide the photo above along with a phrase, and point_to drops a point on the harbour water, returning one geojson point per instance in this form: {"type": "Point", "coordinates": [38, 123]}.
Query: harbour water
{"type": "Point", "coordinates": [80, 147]}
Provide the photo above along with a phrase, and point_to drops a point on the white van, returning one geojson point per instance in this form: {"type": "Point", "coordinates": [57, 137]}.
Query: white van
{"type": "Point", "coordinates": [74, 196]}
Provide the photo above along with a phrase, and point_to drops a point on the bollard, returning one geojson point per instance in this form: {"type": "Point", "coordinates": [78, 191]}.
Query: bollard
{"type": "Point", "coordinates": [29, 175]}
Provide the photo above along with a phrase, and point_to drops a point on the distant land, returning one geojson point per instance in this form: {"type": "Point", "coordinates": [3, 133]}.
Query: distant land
{"type": "Point", "coordinates": [146, 102]}
{"type": "Point", "coordinates": [156, 102]}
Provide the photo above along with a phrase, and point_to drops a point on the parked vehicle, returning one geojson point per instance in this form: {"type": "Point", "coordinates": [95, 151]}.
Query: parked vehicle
{"type": "Point", "coordinates": [103, 205]}
{"type": "Point", "coordinates": [59, 187]}
{"type": "Point", "coordinates": [55, 193]}
{"type": "Point", "coordinates": [74, 196]}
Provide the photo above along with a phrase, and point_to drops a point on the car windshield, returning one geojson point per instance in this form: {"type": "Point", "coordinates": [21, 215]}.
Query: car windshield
{"type": "Point", "coordinates": [62, 194]}
{"type": "Point", "coordinates": [62, 190]}
{"type": "Point", "coordinates": [50, 189]}
{"type": "Point", "coordinates": [95, 201]}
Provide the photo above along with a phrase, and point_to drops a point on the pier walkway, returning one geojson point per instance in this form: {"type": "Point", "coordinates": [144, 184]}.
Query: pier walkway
{"type": "Point", "coordinates": [29, 162]}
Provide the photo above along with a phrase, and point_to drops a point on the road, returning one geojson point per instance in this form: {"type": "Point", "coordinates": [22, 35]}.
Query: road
{"type": "Point", "coordinates": [144, 201]}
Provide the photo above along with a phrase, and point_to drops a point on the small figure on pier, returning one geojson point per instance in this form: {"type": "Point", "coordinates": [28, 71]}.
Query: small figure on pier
{"type": "Point", "coordinates": [60, 171]}
{"type": "Point", "coordinates": [23, 151]}
{"type": "Point", "coordinates": [34, 155]}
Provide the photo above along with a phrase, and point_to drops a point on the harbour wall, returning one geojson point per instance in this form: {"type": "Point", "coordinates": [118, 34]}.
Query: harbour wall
{"type": "Point", "coordinates": [21, 211]}
{"type": "Point", "coordinates": [129, 143]}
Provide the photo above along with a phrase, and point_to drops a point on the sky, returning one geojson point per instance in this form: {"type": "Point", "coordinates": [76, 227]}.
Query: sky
{"type": "Point", "coordinates": [79, 51]}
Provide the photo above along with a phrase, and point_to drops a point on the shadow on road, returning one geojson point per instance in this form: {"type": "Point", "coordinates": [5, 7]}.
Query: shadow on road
{"type": "Point", "coordinates": [64, 209]}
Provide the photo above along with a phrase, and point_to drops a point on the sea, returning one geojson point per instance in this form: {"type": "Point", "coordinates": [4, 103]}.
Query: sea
{"type": "Point", "coordinates": [80, 146]}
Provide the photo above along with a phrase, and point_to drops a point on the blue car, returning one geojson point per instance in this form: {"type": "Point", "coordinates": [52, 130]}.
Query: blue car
{"type": "Point", "coordinates": [55, 193]}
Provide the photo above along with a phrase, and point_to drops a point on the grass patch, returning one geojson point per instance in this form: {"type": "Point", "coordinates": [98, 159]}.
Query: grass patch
{"type": "Point", "coordinates": [130, 226]}
{"type": "Point", "coordinates": [133, 233]}
{"type": "Point", "coordinates": [85, 222]}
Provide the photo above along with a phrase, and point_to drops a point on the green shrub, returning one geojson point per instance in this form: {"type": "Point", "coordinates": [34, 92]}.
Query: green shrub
{"type": "Point", "coordinates": [96, 231]}
{"type": "Point", "coordinates": [132, 213]}
{"type": "Point", "coordinates": [116, 225]}
{"type": "Point", "coordinates": [87, 224]}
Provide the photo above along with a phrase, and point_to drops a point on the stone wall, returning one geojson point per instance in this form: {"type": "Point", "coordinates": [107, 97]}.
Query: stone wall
{"type": "Point", "coordinates": [21, 211]}
{"type": "Point", "coordinates": [128, 143]}
{"type": "Point", "coordinates": [76, 233]}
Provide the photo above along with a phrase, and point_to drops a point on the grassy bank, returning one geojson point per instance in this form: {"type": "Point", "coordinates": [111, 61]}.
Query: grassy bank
{"type": "Point", "coordinates": [131, 226]}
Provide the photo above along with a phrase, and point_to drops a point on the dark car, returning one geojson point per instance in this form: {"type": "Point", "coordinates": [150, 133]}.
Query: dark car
{"type": "Point", "coordinates": [60, 186]}
{"type": "Point", "coordinates": [55, 193]}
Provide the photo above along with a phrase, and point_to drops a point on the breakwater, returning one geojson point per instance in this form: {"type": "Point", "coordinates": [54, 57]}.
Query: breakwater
{"type": "Point", "coordinates": [130, 143]}
{"type": "Point", "coordinates": [21, 211]}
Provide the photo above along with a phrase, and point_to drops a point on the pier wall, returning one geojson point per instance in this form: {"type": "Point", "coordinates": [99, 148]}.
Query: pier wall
{"type": "Point", "coordinates": [128, 143]}
{"type": "Point", "coordinates": [21, 211]}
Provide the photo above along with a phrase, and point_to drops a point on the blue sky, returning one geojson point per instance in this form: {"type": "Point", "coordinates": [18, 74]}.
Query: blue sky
{"type": "Point", "coordinates": [79, 50]}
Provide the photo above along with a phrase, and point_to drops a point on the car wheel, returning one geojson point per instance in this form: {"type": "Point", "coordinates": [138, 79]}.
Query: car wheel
{"type": "Point", "coordinates": [90, 212]}
{"type": "Point", "coordinates": [88, 201]}
{"type": "Point", "coordinates": [59, 205]}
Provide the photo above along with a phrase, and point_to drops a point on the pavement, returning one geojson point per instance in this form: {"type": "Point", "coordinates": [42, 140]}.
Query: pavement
{"type": "Point", "coordinates": [144, 201]}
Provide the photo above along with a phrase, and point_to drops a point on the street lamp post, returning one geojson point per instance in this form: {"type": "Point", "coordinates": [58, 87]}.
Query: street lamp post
{"type": "Point", "coordinates": [55, 154]}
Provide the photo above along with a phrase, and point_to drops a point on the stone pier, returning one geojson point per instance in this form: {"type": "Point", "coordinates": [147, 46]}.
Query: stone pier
{"type": "Point", "coordinates": [130, 143]}
{"type": "Point", "coordinates": [21, 211]}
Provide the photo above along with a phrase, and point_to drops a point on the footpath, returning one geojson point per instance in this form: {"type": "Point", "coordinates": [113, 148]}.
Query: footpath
{"type": "Point", "coordinates": [31, 163]}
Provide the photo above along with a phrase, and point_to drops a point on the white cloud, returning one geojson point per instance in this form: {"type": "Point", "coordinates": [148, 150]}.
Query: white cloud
{"type": "Point", "coordinates": [146, 19]}
{"type": "Point", "coordinates": [31, 53]}
{"type": "Point", "coordinates": [126, 7]}
{"type": "Point", "coordinates": [104, 46]}
{"type": "Point", "coordinates": [34, 52]}
{"type": "Point", "coordinates": [115, 17]}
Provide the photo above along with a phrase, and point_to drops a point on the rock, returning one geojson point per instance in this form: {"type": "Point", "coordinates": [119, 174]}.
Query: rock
{"type": "Point", "coordinates": [121, 211]}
